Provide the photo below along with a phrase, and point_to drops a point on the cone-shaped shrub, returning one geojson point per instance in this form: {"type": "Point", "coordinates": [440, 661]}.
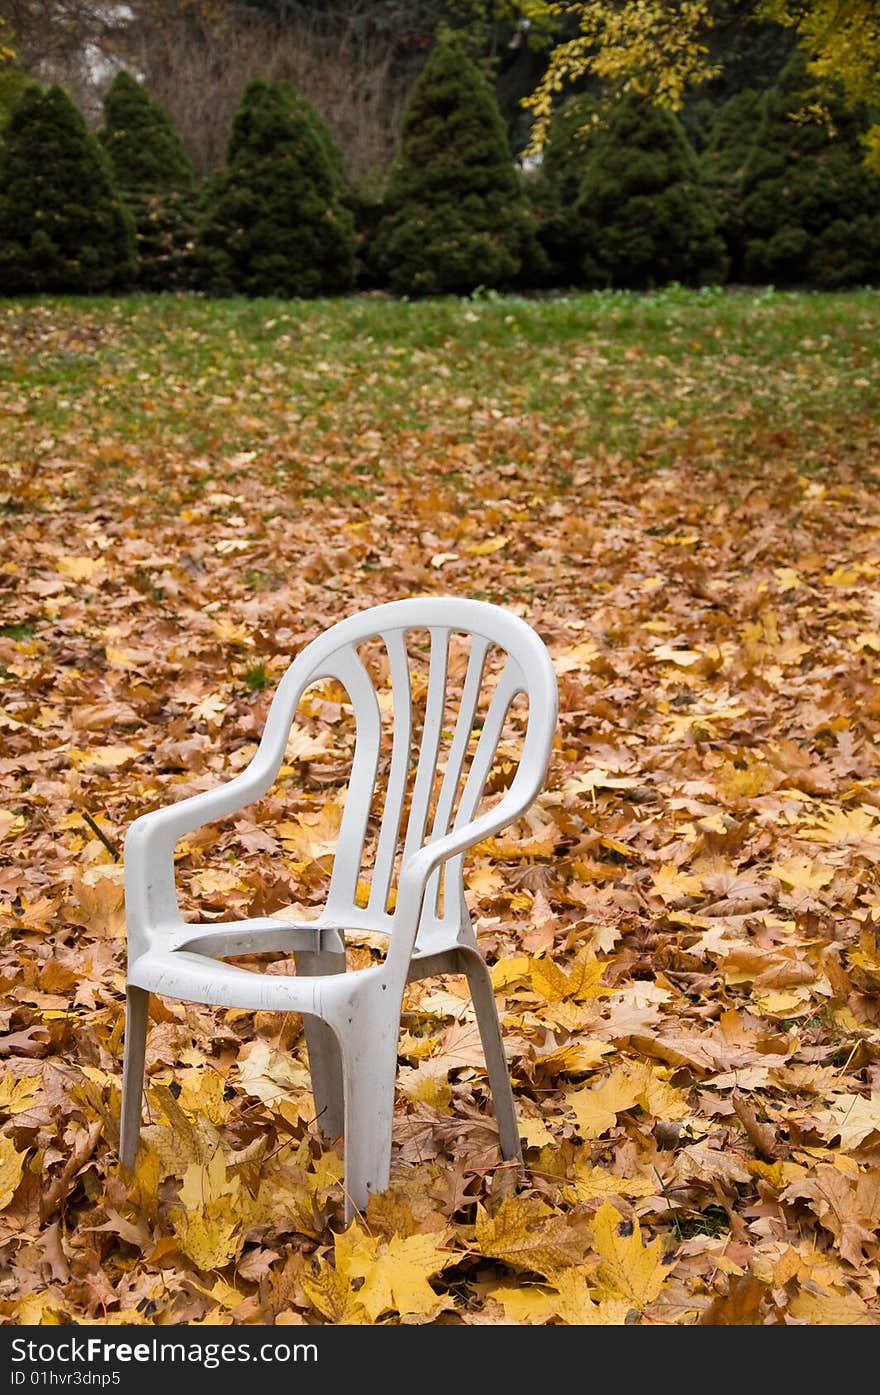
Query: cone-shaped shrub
{"type": "Point", "coordinates": [63, 225]}
{"type": "Point", "coordinates": [274, 221]}
{"type": "Point", "coordinates": [724, 160]}
{"type": "Point", "coordinates": [647, 217]}
{"type": "Point", "coordinates": [154, 174]}
{"type": "Point", "coordinates": [457, 215]}
{"type": "Point", "coordinates": [812, 210]}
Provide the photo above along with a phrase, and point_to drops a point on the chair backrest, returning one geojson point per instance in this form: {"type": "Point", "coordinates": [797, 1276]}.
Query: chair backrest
{"type": "Point", "coordinates": [423, 801]}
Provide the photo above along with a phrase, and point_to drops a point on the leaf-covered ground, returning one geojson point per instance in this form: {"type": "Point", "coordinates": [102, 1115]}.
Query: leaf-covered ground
{"type": "Point", "coordinates": [680, 493]}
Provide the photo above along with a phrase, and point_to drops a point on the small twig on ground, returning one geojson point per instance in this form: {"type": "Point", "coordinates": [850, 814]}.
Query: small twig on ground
{"type": "Point", "coordinates": [99, 833]}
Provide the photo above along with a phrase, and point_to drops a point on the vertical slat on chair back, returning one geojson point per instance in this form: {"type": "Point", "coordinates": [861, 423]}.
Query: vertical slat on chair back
{"type": "Point", "coordinates": [454, 804]}
{"type": "Point", "coordinates": [350, 671]}
{"type": "Point", "coordinates": [401, 750]}
{"type": "Point", "coordinates": [509, 684]}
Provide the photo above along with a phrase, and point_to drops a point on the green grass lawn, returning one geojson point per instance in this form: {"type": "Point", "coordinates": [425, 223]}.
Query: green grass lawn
{"type": "Point", "coordinates": [680, 491]}
{"type": "Point", "coordinates": [707, 373]}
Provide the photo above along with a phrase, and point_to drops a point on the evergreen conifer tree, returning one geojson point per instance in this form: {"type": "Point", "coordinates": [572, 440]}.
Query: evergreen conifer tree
{"type": "Point", "coordinates": [646, 215]}
{"type": "Point", "coordinates": [811, 209]}
{"type": "Point", "coordinates": [456, 213]}
{"type": "Point", "coordinates": [724, 160]}
{"type": "Point", "coordinates": [274, 220]}
{"type": "Point", "coordinates": [63, 225]}
{"type": "Point", "coordinates": [155, 176]}
{"type": "Point", "coordinates": [554, 189]}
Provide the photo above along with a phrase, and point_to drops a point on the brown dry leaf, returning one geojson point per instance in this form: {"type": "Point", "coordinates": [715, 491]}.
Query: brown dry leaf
{"type": "Point", "coordinates": [829, 1309]}
{"type": "Point", "coordinates": [845, 1205]}
{"type": "Point", "coordinates": [741, 1306]}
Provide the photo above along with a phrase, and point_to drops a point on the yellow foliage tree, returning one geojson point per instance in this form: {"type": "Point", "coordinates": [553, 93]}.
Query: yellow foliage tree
{"type": "Point", "coordinates": [7, 52]}
{"type": "Point", "coordinates": [659, 48]}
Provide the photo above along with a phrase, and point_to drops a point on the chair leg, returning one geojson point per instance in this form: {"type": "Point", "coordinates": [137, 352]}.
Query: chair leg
{"type": "Point", "coordinates": [137, 1002]}
{"type": "Point", "coordinates": [370, 1066]}
{"type": "Point", "coordinates": [325, 1060]}
{"type": "Point", "coordinates": [483, 996]}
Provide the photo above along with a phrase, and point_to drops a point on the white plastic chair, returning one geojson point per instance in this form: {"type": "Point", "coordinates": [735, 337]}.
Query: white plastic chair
{"type": "Point", "coordinates": [352, 1019]}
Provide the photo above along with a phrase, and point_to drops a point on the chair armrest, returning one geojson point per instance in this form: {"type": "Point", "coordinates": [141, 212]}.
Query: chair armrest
{"type": "Point", "coordinates": [150, 895]}
{"type": "Point", "coordinates": [415, 874]}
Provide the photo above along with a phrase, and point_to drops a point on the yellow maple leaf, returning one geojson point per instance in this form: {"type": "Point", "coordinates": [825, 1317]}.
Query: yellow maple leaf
{"type": "Point", "coordinates": [269, 1074]}
{"type": "Point", "coordinates": [204, 1091]}
{"type": "Point", "coordinates": [483, 880]}
{"type": "Point", "coordinates": [596, 1107]}
{"type": "Point", "coordinates": [428, 1082]}
{"type": "Point", "coordinates": [581, 982]}
{"type": "Point", "coordinates": [575, 1306]}
{"type": "Point", "coordinates": [327, 1171]}
{"type": "Point", "coordinates": [11, 1165]}
{"type": "Point", "coordinates": [576, 657]}
{"type": "Point", "coordinates": [656, 1096]}
{"type": "Point", "coordinates": [206, 1182]}
{"type": "Point", "coordinates": [39, 1309]}
{"type": "Point", "coordinates": [598, 778]}
{"type": "Point", "coordinates": [868, 639]}
{"type": "Point", "coordinates": [833, 1309]}
{"type": "Point", "coordinates": [112, 756]}
{"type": "Point", "coordinates": [787, 577]}
{"type": "Point", "coordinates": [309, 837]}
{"type": "Point", "coordinates": [526, 1234]}
{"type": "Point", "coordinates": [590, 1182]}
{"type": "Point", "coordinates": [212, 881]}
{"type": "Point", "coordinates": [395, 1272]}
{"type": "Point", "coordinates": [231, 633]}
{"type": "Point", "coordinates": [629, 1269]}
{"type": "Point", "coordinates": [120, 658]}
{"type": "Point", "coordinates": [210, 1237]}
{"type": "Point", "coordinates": [509, 971]}
{"type": "Point", "coordinates": [183, 1143]}
{"type": "Point", "coordinates": [210, 709]}
{"type": "Point", "coordinates": [534, 1132]}
{"type": "Point", "coordinates": [78, 568]}
{"type": "Point", "coordinates": [483, 549]}
{"type": "Point", "coordinates": [852, 1117]}
{"type": "Point", "coordinates": [670, 883]}
{"type": "Point", "coordinates": [529, 1304]}
{"type": "Point", "coordinates": [223, 1294]}
{"type": "Point", "coordinates": [866, 961]}
{"type": "Point", "coordinates": [332, 1295]}
{"type": "Point", "coordinates": [683, 658]}
{"type": "Point", "coordinates": [802, 873]}
{"type": "Point", "coordinates": [302, 746]}
{"type": "Point", "coordinates": [100, 893]}
{"type": "Point", "coordinates": [16, 1095]}
{"type": "Point", "coordinates": [846, 826]}
{"type": "Point", "coordinates": [10, 823]}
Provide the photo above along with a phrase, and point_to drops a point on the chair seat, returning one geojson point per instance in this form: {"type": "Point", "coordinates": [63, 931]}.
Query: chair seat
{"type": "Point", "coordinates": [200, 978]}
{"type": "Point", "coordinates": [189, 967]}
